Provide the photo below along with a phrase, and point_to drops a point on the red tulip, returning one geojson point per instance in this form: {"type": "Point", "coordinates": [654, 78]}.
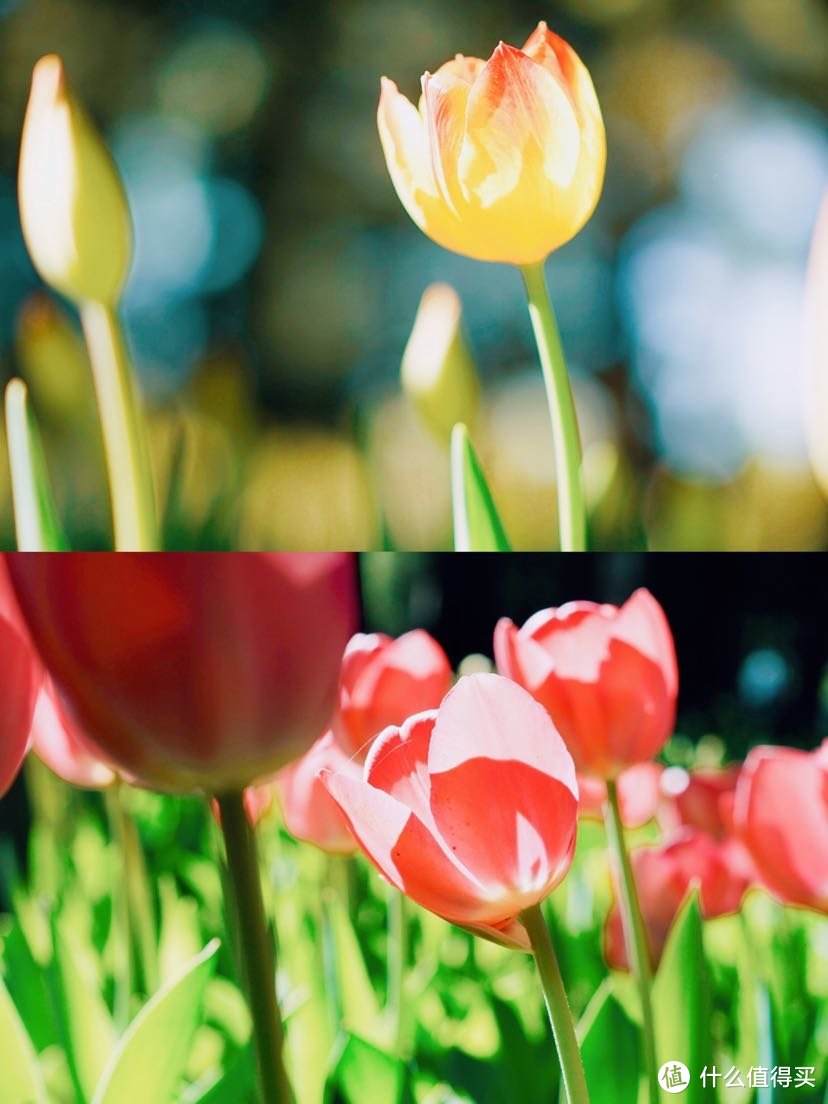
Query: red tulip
{"type": "Point", "coordinates": [471, 809]}
{"type": "Point", "coordinates": [62, 745]}
{"type": "Point", "coordinates": [21, 677]}
{"type": "Point", "coordinates": [664, 875]}
{"type": "Point", "coordinates": [607, 677]}
{"type": "Point", "coordinates": [311, 814]}
{"type": "Point", "coordinates": [383, 681]}
{"type": "Point", "coordinates": [192, 671]}
{"type": "Point", "coordinates": [701, 798]}
{"type": "Point", "coordinates": [781, 814]}
{"type": "Point", "coordinates": [639, 794]}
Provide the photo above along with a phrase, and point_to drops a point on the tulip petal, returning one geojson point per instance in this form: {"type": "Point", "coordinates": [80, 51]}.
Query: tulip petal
{"type": "Point", "coordinates": [781, 813]}
{"type": "Point", "coordinates": [405, 851]}
{"type": "Point", "coordinates": [558, 58]}
{"type": "Point", "coordinates": [405, 145]}
{"type": "Point", "coordinates": [641, 623]}
{"type": "Point", "coordinates": [490, 736]}
{"type": "Point", "coordinates": [517, 114]}
{"type": "Point", "coordinates": [398, 764]}
{"type": "Point", "coordinates": [19, 687]}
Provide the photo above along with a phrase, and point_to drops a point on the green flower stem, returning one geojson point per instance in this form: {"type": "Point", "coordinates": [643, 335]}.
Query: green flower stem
{"type": "Point", "coordinates": [130, 478]}
{"type": "Point", "coordinates": [255, 949]}
{"type": "Point", "coordinates": [139, 897]}
{"type": "Point", "coordinates": [397, 962]}
{"type": "Point", "coordinates": [560, 1016]}
{"type": "Point", "coordinates": [121, 918]}
{"type": "Point", "coordinates": [635, 935]}
{"type": "Point", "coordinates": [570, 491]}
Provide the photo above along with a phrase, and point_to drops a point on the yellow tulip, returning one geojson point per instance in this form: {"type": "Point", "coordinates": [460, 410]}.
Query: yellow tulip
{"type": "Point", "coordinates": [72, 204]}
{"type": "Point", "coordinates": [504, 160]}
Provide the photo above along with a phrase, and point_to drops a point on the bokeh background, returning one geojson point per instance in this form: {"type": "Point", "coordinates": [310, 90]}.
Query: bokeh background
{"type": "Point", "coordinates": [276, 276]}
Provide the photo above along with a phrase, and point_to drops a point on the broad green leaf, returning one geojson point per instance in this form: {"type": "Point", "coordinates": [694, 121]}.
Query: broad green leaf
{"type": "Point", "coordinates": [152, 1054]}
{"type": "Point", "coordinates": [604, 1030]}
{"type": "Point", "coordinates": [36, 522]}
{"type": "Point", "coordinates": [363, 1072]}
{"type": "Point", "coordinates": [477, 526]}
{"type": "Point", "coordinates": [681, 1003]}
{"type": "Point", "coordinates": [90, 1034]}
{"type": "Point", "coordinates": [20, 1076]}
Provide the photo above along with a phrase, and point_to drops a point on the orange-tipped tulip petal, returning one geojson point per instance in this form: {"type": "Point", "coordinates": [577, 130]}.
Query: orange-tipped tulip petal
{"type": "Point", "coordinates": [310, 813]}
{"type": "Point", "coordinates": [417, 811]}
{"type": "Point", "coordinates": [383, 681]}
{"type": "Point", "coordinates": [203, 671]}
{"type": "Point", "coordinates": [504, 160]}
{"type": "Point", "coordinates": [607, 676]}
{"type": "Point", "coordinates": [781, 815]}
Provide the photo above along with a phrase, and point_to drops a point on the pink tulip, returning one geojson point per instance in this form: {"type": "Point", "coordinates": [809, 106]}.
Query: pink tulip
{"type": "Point", "coordinates": [639, 794]}
{"type": "Point", "coordinates": [781, 815]}
{"type": "Point", "coordinates": [192, 671]}
{"type": "Point", "coordinates": [606, 675]}
{"type": "Point", "coordinates": [702, 798]}
{"type": "Point", "coordinates": [310, 813]}
{"type": "Point", "coordinates": [61, 744]}
{"type": "Point", "coordinates": [383, 681]}
{"type": "Point", "coordinates": [664, 875]}
{"type": "Point", "coordinates": [471, 809]}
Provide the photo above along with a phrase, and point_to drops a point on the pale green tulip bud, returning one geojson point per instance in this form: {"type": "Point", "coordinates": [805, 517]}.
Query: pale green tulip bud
{"type": "Point", "coordinates": [438, 372]}
{"type": "Point", "coordinates": [72, 204]}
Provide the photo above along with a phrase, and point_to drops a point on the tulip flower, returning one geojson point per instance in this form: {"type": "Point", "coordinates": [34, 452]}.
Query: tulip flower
{"type": "Point", "coordinates": [20, 682]}
{"type": "Point", "coordinates": [72, 204]}
{"type": "Point", "coordinates": [781, 815]}
{"type": "Point", "coordinates": [664, 875]}
{"type": "Point", "coordinates": [702, 798]}
{"type": "Point", "coordinates": [438, 372]}
{"type": "Point", "coordinates": [62, 745]}
{"type": "Point", "coordinates": [606, 675]}
{"type": "Point", "coordinates": [639, 794]}
{"type": "Point", "coordinates": [486, 864]}
{"type": "Point", "coordinates": [76, 223]}
{"type": "Point", "coordinates": [383, 681]}
{"type": "Point", "coordinates": [504, 160]}
{"type": "Point", "coordinates": [192, 671]}
{"type": "Point", "coordinates": [608, 678]}
{"type": "Point", "coordinates": [310, 813]}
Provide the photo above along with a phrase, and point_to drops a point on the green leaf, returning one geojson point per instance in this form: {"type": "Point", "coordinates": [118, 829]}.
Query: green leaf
{"type": "Point", "coordinates": [605, 1029]}
{"type": "Point", "coordinates": [360, 1008]}
{"type": "Point", "coordinates": [89, 1031]}
{"type": "Point", "coordinates": [151, 1057]}
{"type": "Point", "coordinates": [364, 1072]}
{"type": "Point", "coordinates": [681, 1003]}
{"type": "Point", "coordinates": [477, 526]}
{"type": "Point", "coordinates": [36, 520]}
{"type": "Point", "coordinates": [19, 1072]}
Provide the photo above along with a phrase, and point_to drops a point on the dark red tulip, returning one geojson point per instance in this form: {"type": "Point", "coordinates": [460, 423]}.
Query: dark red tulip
{"type": "Point", "coordinates": [192, 671]}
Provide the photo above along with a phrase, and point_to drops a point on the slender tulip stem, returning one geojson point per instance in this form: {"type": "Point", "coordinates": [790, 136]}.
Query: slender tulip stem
{"type": "Point", "coordinates": [139, 896]}
{"type": "Point", "coordinates": [120, 911]}
{"type": "Point", "coordinates": [130, 478]}
{"type": "Point", "coordinates": [255, 949]}
{"type": "Point", "coordinates": [560, 1016]}
{"type": "Point", "coordinates": [635, 935]}
{"type": "Point", "coordinates": [397, 962]}
{"type": "Point", "coordinates": [566, 440]}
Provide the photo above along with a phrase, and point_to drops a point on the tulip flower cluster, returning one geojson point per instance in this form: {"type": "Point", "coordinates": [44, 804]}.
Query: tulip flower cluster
{"type": "Point", "coordinates": [230, 674]}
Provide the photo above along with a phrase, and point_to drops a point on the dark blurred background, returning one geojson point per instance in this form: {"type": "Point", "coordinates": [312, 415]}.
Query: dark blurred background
{"type": "Point", "coordinates": [276, 276]}
{"type": "Point", "coordinates": [751, 632]}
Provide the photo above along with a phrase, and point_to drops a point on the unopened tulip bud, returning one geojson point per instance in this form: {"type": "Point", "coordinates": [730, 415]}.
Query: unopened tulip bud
{"type": "Point", "coordinates": [72, 204]}
{"type": "Point", "coordinates": [438, 372]}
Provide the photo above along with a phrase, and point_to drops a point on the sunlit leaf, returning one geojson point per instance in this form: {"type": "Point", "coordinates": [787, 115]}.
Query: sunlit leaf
{"type": "Point", "coordinates": [152, 1055]}
{"type": "Point", "coordinates": [477, 526]}
{"type": "Point", "coordinates": [36, 521]}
